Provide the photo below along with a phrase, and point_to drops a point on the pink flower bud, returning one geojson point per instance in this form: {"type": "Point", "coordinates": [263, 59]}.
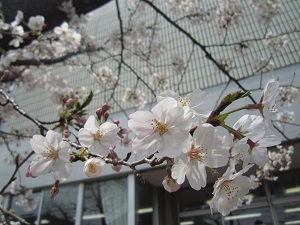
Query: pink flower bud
{"type": "Point", "coordinates": [81, 120]}
{"type": "Point", "coordinates": [105, 107]}
{"type": "Point", "coordinates": [117, 122]}
{"type": "Point", "coordinates": [125, 140]}
{"type": "Point", "coordinates": [170, 184]}
{"type": "Point", "coordinates": [54, 190]}
{"type": "Point", "coordinates": [106, 115]}
{"type": "Point", "coordinates": [67, 133]}
{"type": "Point", "coordinates": [6, 73]}
{"type": "Point", "coordinates": [116, 168]}
{"type": "Point", "coordinates": [99, 113]}
{"type": "Point", "coordinates": [69, 103]}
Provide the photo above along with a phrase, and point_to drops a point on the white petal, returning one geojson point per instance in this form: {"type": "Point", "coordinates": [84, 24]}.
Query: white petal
{"type": "Point", "coordinates": [53, 138]}
{"type": "Point", "coordinates": [269, 141]}
{"type": "Point", "coordinates": [38, 144]}
{"type": "Point", "coordinates": [161, 108]}
{"type": "Point", "coordinates": [40, 165]}
{"type": "Point", "coordinates": [179, 169]}
{"type": "Point", "coordinates": [167, 94]}
{"type": "Point", "coordinates": [85, 137]}
{"type": "Point", "coordinates": [91, 124]}
{"type": "Point", "coordinates": [140, 123]}
{"type": "Point", "coordinates": [61, 170]}
{"type": "Point", "coordinates": [259, 156]}
{"type": "Point", "coordinates": [147, 145]}
{"type": "Point", "coordinates": [172, 143]}
{"type": "Point", "coordinates": [204, 135]}
{"type": "Point", "coordinates": [98, 148]}
{"type": "Point", "coordinates": [197, 175]}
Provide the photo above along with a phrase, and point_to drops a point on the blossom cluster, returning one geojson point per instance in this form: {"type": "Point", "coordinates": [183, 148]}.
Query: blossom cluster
{"type": "Point", "coordinates": [228, 13]}
{"type": "Point", "coordinates": [266, 10]}
{"type": "Point", "coordinates": [168, 132]}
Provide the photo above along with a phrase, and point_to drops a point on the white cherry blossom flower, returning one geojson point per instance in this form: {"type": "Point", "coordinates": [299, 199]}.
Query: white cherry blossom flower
{"type": "Point", "coordinates": [18, 18]}
{"type": "Point", "coordinates": [193, 101]}
{"type": "Point", "coordinates": [201, 151]}
{"type": "Point", "coordinates": [17, 33]}
{"type": "Point", "coordinates": [251, 126]}
{"type": "Point", "coordinates": [93, 167]}
{"type": "Point", "coordinates": [98, 138]}
{"type": "Point", "coordinates": [52, 156]}
{"type": "Point", "coordinates": [62, 30]}
{"type": "Point", "coordinates": [160, 81]}
{"type": "Point", "coordinates": [134, 97]}
{"type": "Point", "coordinates": [258, 150]}
{"type": "Point", "coordinates": [163, 130]}
{"type": "Point", "coordinates": [268, 99]}
{"type": "Point", "coordinates": [36, 23]}
{"type": "Point", "coordinates": [228, 189]}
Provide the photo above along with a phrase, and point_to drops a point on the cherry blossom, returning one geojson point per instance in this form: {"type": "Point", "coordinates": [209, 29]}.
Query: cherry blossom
{"type": "Point", "coordinates": [201, 151]}
{"type": "Point", "coordinates": [52, 156]}
{"type": "Point", "coordinates": [288, 94]}
{"type": "Point", "coordinates": [98, 138]}
{"type": "Point", "coordinates": [228, 189]}
{"type": "Point", "coordinates": [36, 23]}
{"type": "Point", "coordinates": [134, 97]}
{"type": "Point", "coordinates": [93, 167]}
{"type": "Point", "coordinates": [163, 130]}
{"type": "Point", "coordinates": [228, 13]}
{"type": "Point", "coordinates": [193, 101]}
{"type": "Point", "coordinates": [160, 81]}
{"type": "Point", "coordinates": [268, 100]}
{"type": "Point", "coordinates": [251, 126]}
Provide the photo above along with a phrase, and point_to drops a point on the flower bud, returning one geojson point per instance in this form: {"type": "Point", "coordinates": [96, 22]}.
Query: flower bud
{"type": "Point", "coordinates": [106, 115]}
{"type": "Point", "coordinates": [125, 140]}
{"type": "Point", "coordinates": [69, 103]}
{"type": "Point", "coordinates": [54, 190]}
{"type": "Point", "coordinates": [92, 167]}
{"type": "Point", "coordinates": [117, 122]}
{"type": "Point", "coordinates": [81, 120]}
{"type": "Point", "coordinates": [116, 168]}
{"type": "Point", "coordinates": [105, 107]}
{"type": "Point", "coordinates": [170, 184]}
{"type": "Point", "coordinates": [99, 113]}
{"type": "Point", "coordinates": [67, 133]}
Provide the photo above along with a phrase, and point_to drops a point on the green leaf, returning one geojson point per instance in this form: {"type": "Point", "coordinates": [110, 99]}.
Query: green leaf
{"type": "Point", "coordinates": [87, 101]}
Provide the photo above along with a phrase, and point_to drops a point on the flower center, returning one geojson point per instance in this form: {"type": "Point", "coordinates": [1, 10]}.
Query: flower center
{"type": "Point", "coordinates": [231, 191]}
{"type": "Point", "coordinates": [184, 101]}
{"type": "Point", "coordinates": [98, 135]}
{"type": "Point", "coordinates": [196, 153]}
{"type": "Point", "coordinates": [92, 168]}
{"type": "Point", "coordinates": [159, 127]}
{"type": "Point", "coordinates": [52, 153]}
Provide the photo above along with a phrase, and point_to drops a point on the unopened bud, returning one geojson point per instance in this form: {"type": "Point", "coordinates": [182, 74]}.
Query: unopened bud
{"type": "Point", "coordinates": [117, 122]}
{"type": "Point", "coordinates": [6, 73]}
{"type": "Point", "coordinates": [67, 133]}
{"type": "Point", "coordinates": [54, 190]}
{"type": "Point", "coordinates": [106, 115]}
{"type": "Point", "coordinates": [81, 120]}
{"type": "Point", "coordinates": [105, 107]}
{"type": "Point", "coordinates": [69, 103]}
{"type": "Point", "coordinates": [116, 168]}
{"type": "Point", "coordinates": [170, 184]}
{"type": "Point", "coordinates": [99, 113]}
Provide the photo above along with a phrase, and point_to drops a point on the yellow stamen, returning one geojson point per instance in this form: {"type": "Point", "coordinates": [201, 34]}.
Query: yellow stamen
{"type": "Point", "coordinates": [98, 135]}
{"type": "Point", "coordinates": [159, 127]}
